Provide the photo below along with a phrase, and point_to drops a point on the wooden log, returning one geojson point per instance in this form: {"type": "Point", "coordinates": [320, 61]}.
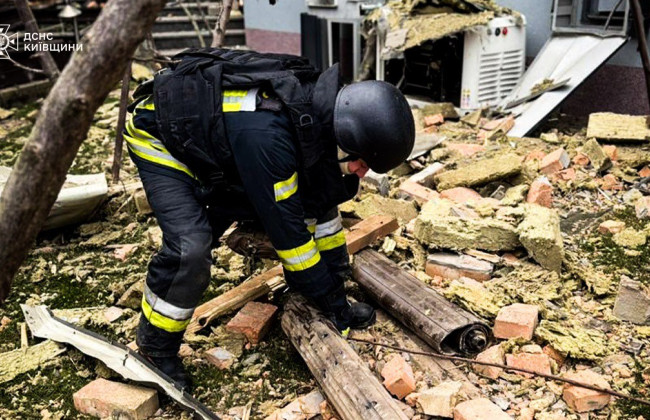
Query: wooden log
{"type": "Point", "coordinates": [618, 127]}
{"type": "Point", "coordinates": [444, 326]}
{"type": "Point", "coordinates": [348, 383]}
{"type": "Point", "coordinates": [26, 15]}
{"type": "Point", "coordinates": [360, 236]}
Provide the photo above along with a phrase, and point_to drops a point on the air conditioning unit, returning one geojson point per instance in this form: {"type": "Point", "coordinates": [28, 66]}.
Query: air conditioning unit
{"type": "Point", "coordinates": [473, 69]}
{"type": "Point", "coordinates": [494, 60]}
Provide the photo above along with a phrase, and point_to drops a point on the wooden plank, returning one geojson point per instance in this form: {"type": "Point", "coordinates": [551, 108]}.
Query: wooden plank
{"type": "Point", "coordinates": [618, 127]}
{"type": "Point", "coordinates": [350, 386]}
{"type": "Point", "coordinates": [360, 236]}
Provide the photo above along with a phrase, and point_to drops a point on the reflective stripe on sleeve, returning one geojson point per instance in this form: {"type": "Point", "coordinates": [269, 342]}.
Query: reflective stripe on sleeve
{"type": "Point", "coordinates": [300, 258]}
{"type": "Point", "coordinates": [330, 242]}
{"type": "Point", "coordinates": [285, 189]}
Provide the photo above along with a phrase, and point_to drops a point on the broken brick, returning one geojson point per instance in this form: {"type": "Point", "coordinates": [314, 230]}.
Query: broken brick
{"type": "Point", "coordinates": [108, 399]}
{"type": "Point", "coordinates": [220, 357]}
{"type": "Point", "coordinates": [644, 172]}
{"type": "Point", "coordinates": [642, 208]}
{"type": "Point", "coordinates": [610, 183]}
{"type": "Point", "coordinates": [454, 266]}
{"type": "Point", "coordinates": [581, 399]}
{"type": "Point", "coordinates": [611, 227]}
{"type": "Point", "coordinates": [555, 161]}
{"type": "Point", "coordinates": [465, 149]}
{"type": "Point", "coordinates": [568, 174]}
{"type": "Point", "coordinates": [535, 155]}
{"type": "Point", "coordinates": [440, 400]}
{"type": "Point", "coordinates": [494, 354]}
{"type": "Point", "coordinates": [541, 193]}
{"type": "Point", "coordinates": [418, 192]}
{"type": "Point", "coordinates": [460, 195]}
{"type": "Point", "coordinates": [536, 362]}
{"type": "Point", "coordinates": [479, 409]}
{"type": "Point", "coordinates": [554, 354]}
{"type": "Point", "coordinates": [581, 159]}
{"type": "Point", "coordinates": [502, 124]}
{"type": "Point", "coordinates": [433, 119]}
{"type": "Point", "coordinates": [398, 377]}
{"type": "Point", "coordinates": [611, 151]}
{"type": "Point", "coordinates": [517, 320]}
{"type": "Point", "coordinates": [253, 320]}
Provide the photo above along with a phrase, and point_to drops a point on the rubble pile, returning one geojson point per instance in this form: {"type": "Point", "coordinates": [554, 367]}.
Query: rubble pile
{"type": "Point", "coordinates": [544, 238]}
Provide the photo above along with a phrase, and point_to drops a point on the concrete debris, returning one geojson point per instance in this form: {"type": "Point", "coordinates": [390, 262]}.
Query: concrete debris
{"type": "Point", "coordinates": [108, 399]}
{"type": "Point", "coordinates": [539, 233]}
{"type": "Point", "coordinates": [481, 408]}
{"type": "Point", "coordinates": [494, 354]}
{"type": "Point", "coordinates": [220, 357]}
{"type": "Point", "coordinates": [597, 156]}
{"type": "Point", "coordinates": [632, 302]}
{"type": "Point", "coordinates": [373, 205]}
{"type": "Point", "coordinates": [303, 408]}
{"type": "Point", "coordinates": [480, 172]}
{"type": "Point", "coordinates": [617, 127]}
{"type": "Point", "coordinates": [440, 400]}
{"type": "Point", "coordinates": [455, 266]}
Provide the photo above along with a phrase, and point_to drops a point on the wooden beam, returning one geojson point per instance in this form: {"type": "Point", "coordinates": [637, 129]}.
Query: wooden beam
{"type": "Point", "coordinates": [444, 326]}
{"type": "Point", "coordinates": [350, 386]}
{"type": "Point", "coordinates": [360, 236]}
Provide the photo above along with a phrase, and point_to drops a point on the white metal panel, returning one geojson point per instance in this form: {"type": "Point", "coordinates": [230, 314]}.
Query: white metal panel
{"type": "Point", "coordinates": [572, 57]}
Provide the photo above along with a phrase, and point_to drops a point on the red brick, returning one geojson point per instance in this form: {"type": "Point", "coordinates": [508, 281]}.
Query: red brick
{"type": "Point", "coordinates": [555, 161]}
{"type": "Point", "coordinates": [433, 119]}
{"type": "Point", "coordinates": [517, 320]}
{"type": "Point", "coordinates": [108, 399]}
{"type": "Point", "coordinates": [554, 354]}
{"type": "Point", "coordinates": [611, 227]}
{"type": "Point", "coordinates": [501, 124]}
{"type": "Point", "coordinates": [541, 193]}
{"type": "Point", "coordinates": [494, 354]}
{"type": "Point", "coordinates": [220, 357]}
{"type": "Point", "coordinates": [582, 399]}
{"type": "Point", "coordinates": [461, 195]}
{"type": "Point", "coordinates": [479, 409]}
{"type": "Point", "coordinates": [454, 266]}
{"type": "Point", "coordinates": [611, 151]}
{"type": "Point", "coordinates": [124, 251]}
{"type": "Point", "coordinates": [398, 377]}
{"type": "Point", "coordinates": [581, 159]}
{"type": "Point", "coordinates": [535, 155]}
{"type": "Point", "coordinates": [253, 320]}
{"type": "Point", "coordinates": [418, 192]}
{"type": "Point", "coordinates": [610, 183]}
{"type": "Point", "coordinates": [644, 172]}
{"type": "Point", "coordinates": [466, 149]}
{"type": "Point", "coordinates": [537, 362]}
{"type": "Point", "coordinates": [642, 208]}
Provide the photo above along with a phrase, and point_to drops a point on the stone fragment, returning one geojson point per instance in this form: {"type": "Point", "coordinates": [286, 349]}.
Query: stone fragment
{"type": "Point", "coordinates": [113, 313]}
{"type": "Point", "coordinates": [253, 320]}
{"type": "Point", "coordinates": [597, 156]}
{"type": "Point", "coordinates": [460, 195]}
{"type": "Point", "coordinates": [494, 354]}
{"type": "Point", "coordinates": [536, 362]}
{"type": "Point", "coordinates": [440, 400]}
{"type": "Point", "coordinates": [611, 227]}
{"type": "Point", "coordinates": [479, 409]}
{"type": "Point", "coordinates": [220, 357]}
{"type": "Point", "coordinates": [465, 149]}
{"type": "Point", "coordinates": [154, 236]}
{"type": "Point", "coordinates": [642, 208]}
{"type": "Point", "coordinates": [442, 225]}
{"type": "Point", "coordinates": [610, 183]}
{"type": "Point", "coordinates": [434, 119]}
{"type": "Point", "coordinates": [425, 176]}
{"type": "Point", "coordinates": [541, 192]}
{"type": "Point", "coordinates": [633, 302]}
{"type": "Point", "coordinates": [555, 161]}
{"type": "Point", "coordinates": [303, 408]}
{"type": "Point", "coordinates": [380, 181]}
{"type": "Point", "coordinates": [398, 377]}
{"type": "Point", "coordinates": [108, 399]}
{"type": "Point", "coordinates": [454, 266]}
{"type": "Point", "coordinates": [581, 399]}
{"type": "Point", "coordinates": [516, 320]}
{"type": "Point", "coordinates": [132, 298]}
{"type": "Point", "coordinates": [480, 172]}
{"type": "Point", "coordinates": [417, 192]}
{"type": "Point", "coordinates": [539, 233]}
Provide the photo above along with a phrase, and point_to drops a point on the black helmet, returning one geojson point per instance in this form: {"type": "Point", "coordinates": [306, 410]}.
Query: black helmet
{"type": "Point", "coordinates": [373, 121]}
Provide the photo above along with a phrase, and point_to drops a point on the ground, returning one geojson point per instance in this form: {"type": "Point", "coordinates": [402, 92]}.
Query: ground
{"type": "Point", "coordinates": [76, 267]}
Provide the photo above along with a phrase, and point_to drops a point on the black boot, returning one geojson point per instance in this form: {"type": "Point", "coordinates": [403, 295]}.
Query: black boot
{"type": "Point", "coordinates": [172, 366]}
{"type": "Point", "coordinates": [344, 314]}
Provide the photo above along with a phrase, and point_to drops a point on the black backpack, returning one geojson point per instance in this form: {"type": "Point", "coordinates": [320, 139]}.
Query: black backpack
{"type": "Point", "coordinates": [188, 104]}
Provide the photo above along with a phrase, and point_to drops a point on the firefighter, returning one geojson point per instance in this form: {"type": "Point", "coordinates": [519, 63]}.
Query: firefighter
{"type": "Point", "coordinates": [370, 127]}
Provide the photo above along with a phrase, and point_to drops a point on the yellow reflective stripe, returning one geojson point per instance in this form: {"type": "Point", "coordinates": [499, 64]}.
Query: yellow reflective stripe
{"type": "Point", "coordinates": [155, 155]}
{"type": "Point", "coordinates": [235, 93]}
{"type": "Point", "coordinates": [345, 332]}
{"type": "Point", "coordinates": [231, 107]}
{"type": "Point", "coordinates": [136, 132]}
{"type": "Point", "coordinates": [285, 189]}
{"type": "Point", "coordinates": [146, 104]}
{"type": "Point", "coordinates": [311, 225]}
{"type": "Point", "coordinates": [330, 242]}
{"type": "Point", "coordinates": [161, 321]}
{"type": "Point", "coordinates": [300, 258]}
